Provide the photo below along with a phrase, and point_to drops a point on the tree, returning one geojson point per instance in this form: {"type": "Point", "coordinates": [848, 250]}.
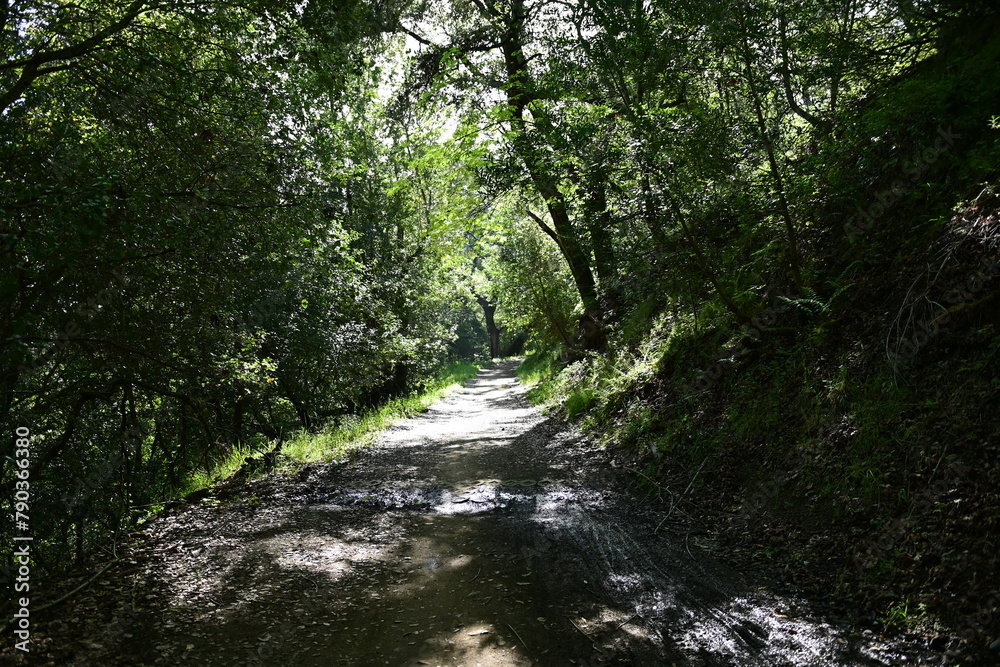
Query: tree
{"type": "Point", "coordinates": [503, 32]}
{"type": "Point", "coordinates": [193, 247]}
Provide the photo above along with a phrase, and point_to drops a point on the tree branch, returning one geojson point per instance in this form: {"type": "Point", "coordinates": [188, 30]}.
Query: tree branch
{"type": "Point", "coordinates": [32, 68]}
{"type": "Point", "coordinates": [786, 79]}
{"type": "Point", "coordinates": [544, 227]}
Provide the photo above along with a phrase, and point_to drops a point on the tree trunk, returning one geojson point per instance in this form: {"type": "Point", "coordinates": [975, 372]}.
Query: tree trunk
{"type": "Point", "coordinates": [489, 309]}
{"type": "Point", "coordinates": [520, 99]}
{"type": "Point", "coordinates": [772, 161]}
{"type": "Point", "coordinates": [599, 226]}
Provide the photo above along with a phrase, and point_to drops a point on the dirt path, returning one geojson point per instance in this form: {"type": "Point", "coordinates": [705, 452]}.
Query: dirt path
{"type": "Point", "coordinates": [479, 534]}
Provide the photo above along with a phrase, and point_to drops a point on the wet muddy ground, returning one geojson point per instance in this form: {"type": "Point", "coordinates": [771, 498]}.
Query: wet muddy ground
{"type": "Point", "coordinates": [480, 533]}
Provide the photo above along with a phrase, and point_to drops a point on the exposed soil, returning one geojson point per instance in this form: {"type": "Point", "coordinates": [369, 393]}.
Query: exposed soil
{"type": "Point", "coordinates": [480, 533]}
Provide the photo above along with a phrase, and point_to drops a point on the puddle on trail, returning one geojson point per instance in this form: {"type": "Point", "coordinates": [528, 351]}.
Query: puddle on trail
{"type": "Point", "coordinates": [477, 534]}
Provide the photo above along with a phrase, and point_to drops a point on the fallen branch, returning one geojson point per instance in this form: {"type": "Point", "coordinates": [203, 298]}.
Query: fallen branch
{"type": "Point", "coordinates": [79, 588]}
{"type": "Point", "coordinates": [592, 641]}
{"type": "Point", "coordinates": [673, 502]}
{"type": "Point", "coordinates": [624, 623]}
{"type": "Point", "coordinates": [518, 636]}
{"type": "Point", "coordinates": [659, 487]}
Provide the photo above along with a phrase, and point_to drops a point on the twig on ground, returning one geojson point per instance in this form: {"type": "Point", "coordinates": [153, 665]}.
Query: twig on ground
{"type": "Point", "coordinates": [941, 458]}
{"type": "Point", "coordinates": [518, 636]}
{"type": "Point", "coordinates": [624, 623]}
{"type": "Point", "coordinates": [79, 588]}
{"type": "Point", "coordinates": [697, 472]}
{"type": "Point", "coordinates": [659, 487]}
{"type": "Point", "coordinates": [580, 630]}
{"type": "Point", "coordinates": [674, 501]}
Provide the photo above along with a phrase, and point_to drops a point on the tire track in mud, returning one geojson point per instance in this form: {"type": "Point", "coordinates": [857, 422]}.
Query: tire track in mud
{"type": "Point", "coordinates": [480, 533]}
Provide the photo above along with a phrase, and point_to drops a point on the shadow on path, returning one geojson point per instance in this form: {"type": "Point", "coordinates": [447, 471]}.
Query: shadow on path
{"type": "Point", "coordinates": [480, 533]}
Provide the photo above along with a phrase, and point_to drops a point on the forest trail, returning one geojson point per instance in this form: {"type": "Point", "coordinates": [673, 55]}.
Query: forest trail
{"type": "Point", "coordinates": [480, 533]}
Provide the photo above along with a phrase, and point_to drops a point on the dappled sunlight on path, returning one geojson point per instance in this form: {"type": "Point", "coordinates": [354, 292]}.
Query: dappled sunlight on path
{"type": "Point", "coordinates": [479, 533]}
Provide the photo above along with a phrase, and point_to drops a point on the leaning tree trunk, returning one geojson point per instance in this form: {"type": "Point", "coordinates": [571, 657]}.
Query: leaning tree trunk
{"type": "Point", "coordinates": [520, 98]}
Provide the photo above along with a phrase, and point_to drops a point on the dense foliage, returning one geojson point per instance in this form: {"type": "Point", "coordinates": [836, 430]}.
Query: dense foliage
{"type": "Point", "coordinates": [677, 150]}
{"type": "Point", "coordinates": [212, 237]}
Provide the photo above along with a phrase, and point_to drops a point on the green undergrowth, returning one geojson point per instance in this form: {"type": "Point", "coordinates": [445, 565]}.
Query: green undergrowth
{"type": "Point", "coordinates": [223, 469]}
{"type": "Point", "coordinates": [537, 369]}
{"type": "Point", "coordinates": [338, 440]}
{"type": "Point", "coordinates": [856, 434]}
{"type": "Point", "coordinates": [840, 421]}
{"type": "Point", "coordinates": [357, 431]}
